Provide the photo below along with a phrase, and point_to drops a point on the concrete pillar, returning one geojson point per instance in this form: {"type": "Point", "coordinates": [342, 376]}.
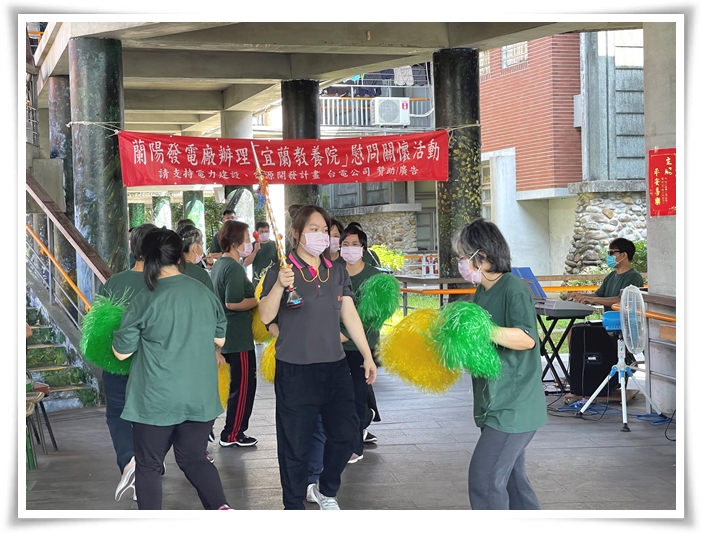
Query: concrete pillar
{"type": "Point", "coordinates": [61, 147]}
{"type": "Point", "coordinates": [237, 125]}
{"type": "Point", "coordinates": [161, 211]}
{"type": "Point", "coordinates": [660, 84]}
{"type": "Point", "coordinates": [300, 120]}
{"type": "Point", "coordinates": [193, 208]}
{"type": "Point", "coordinates": [456, 89]}
{"type": "Point", "coordinates": [97, 96]}
{"type": "Point", "coordinates": [137, 214]}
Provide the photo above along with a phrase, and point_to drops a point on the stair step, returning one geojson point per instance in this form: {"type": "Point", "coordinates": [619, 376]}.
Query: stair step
{"type": "Point", "coordinates": [70, 397]}
{"type": "Point", "coordinates": [56, 376]}
{"type": "Point", "coordinates": [40, 355]}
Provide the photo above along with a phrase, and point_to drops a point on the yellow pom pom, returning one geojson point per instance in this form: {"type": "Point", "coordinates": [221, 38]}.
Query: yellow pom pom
{"type": "Point", "coordinates": [267, 362]}
{"type": "Point", "coordinates": [224, 377]}
{"type": "Point", "coordinates": [260, 333]}
{"type": "Point", "coordinates": [407, 352]}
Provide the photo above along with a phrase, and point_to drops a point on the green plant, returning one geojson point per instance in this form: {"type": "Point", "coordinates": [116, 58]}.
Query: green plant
{"type": "Point", "coordinates": [176, 213]}
{"type": "Point", "coordinates": [393, 259]}
{"type": "Point", "coordinates": [639, 261]}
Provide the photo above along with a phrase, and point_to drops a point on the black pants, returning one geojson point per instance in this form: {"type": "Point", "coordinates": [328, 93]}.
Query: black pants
{"type": "Point", "coordinates": [302, 392]}
{"type": "Point", "coordinates": [360, 392]}
{"type": "Point", "coordinates": [189, 440]}
{"type": "Point", "coordinates": [242, 392]}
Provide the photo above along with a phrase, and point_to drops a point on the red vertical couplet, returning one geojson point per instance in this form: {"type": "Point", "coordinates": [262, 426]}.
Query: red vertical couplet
{"type": "Point", "coordinates": [662, 182]}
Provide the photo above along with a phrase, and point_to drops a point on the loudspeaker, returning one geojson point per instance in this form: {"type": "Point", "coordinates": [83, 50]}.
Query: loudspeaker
{"type": "Point", "coordinates": [593, 351]}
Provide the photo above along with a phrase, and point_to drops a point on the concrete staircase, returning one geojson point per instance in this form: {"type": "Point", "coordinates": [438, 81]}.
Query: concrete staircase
{"type": "Point", "coordinates": [53, 357]}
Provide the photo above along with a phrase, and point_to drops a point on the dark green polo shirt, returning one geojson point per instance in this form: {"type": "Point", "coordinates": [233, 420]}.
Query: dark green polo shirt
{"type": "Point", "coordinates": [514, 403]}
{"type": "Point", "coordinates": [231, 285]}
{"type": "Point", "coordinates": [311, 333]}
{"type": "Point", "coordinates": [171, 330]}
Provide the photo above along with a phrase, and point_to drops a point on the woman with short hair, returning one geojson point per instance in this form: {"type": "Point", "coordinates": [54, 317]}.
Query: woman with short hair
{"type": "Point", "coordinates": [237, 294]}
{"type": "Point", "coordinates": [508, 410]}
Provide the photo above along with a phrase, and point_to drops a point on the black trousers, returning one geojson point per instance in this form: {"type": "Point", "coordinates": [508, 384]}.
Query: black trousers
{"type": "Point", "coordinates": [189, 440]}
{"type": "Point", "coordinates": [360, 392]}
{"type": "Point", "coordinates": [302, 392]}
{"type": "Point", "coordinates": [242, 392]}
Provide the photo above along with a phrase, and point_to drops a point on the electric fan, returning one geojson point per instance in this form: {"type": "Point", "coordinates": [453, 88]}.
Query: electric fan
{"type": "Point", "coordinates": [630, 326]}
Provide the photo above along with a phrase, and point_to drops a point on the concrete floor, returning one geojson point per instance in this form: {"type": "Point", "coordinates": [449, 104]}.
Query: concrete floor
{"type": "Point", "coordinates": [420, 461]}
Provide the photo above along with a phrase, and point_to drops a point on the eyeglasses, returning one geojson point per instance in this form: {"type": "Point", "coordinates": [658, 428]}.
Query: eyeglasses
{"type": "Point", "coordinates": [614, 252]}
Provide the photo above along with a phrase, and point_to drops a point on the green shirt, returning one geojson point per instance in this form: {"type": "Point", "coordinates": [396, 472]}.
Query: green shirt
{"type": "Point", "coordinates": [171, 331]}
{"type": "Point", "coordinates": [514, 403]}
{"type": "Point", "coordinates": [614, 283]}
{"type": "Point", "coordinates": [199, 273]}
{"type": "Point", "coordinates": [214, 247]}
{"type": "Point", "coordinates": [371, 334]}
{"type": "Point", "coordinates": [231, 285]}
{"type": "Point", "coordinates": [126, 284]}
{"type": "Point", "coordinates": [265, 257]}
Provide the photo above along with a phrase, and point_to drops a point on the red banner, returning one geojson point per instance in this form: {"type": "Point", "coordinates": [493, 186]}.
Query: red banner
{"type": "Point", "coordinates": [150, 159]}
{"type": "Point", "coordinates": [662, 182]}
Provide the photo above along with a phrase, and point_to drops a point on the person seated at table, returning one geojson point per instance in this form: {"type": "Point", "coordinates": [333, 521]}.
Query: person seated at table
{"type": "Point", "coordinates": [620, 255]}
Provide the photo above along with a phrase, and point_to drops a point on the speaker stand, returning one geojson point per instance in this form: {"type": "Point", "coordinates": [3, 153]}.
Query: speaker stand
{"type": "Point", "coordinates": [623, 370]}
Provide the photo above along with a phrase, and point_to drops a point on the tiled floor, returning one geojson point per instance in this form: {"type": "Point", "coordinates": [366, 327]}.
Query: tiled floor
{"type": "Point", "coordinates": [420, 461]}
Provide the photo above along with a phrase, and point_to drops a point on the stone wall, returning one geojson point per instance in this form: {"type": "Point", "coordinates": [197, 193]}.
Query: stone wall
{"type": "Point", "coordinates": [601, 217]}
{"type": "Point", "coordinates": [395, 230]}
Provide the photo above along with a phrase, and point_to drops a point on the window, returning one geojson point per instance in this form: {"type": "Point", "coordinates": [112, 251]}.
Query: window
{"type": "Point", "coordinates": [514, 54]}
{"type": "Point", "coordinates": [484, 63]}
{"type": "Point", "coordinates": [486, 181]}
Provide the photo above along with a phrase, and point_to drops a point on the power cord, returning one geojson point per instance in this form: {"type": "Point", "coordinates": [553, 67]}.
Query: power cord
{"type": "Point", "coordinates": [668, 423]}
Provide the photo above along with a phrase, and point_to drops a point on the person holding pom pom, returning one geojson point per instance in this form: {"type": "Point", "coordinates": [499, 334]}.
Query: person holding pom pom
{"type": "Point", "coordinates": [123, 286]}
{"type": "Point", "coordinates": [172, 397]}
{"type": "Point", "coordinates": [509, 409]}
{"type": "Point", "coordinates": [237, 295]}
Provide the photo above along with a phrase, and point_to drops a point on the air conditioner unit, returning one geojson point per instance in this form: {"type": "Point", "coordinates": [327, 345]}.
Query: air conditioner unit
{"type": "Point", "coordinates": [390, 111]}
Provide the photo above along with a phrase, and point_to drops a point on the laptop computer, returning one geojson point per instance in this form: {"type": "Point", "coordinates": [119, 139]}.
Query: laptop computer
{"type": "Point", "coordinates": [551, 307]}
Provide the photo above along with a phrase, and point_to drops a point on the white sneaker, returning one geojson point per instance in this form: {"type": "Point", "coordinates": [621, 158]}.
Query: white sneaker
{"type": "Point", "coordinates": [134, 495]}
{"type": "Point", "coordinates": [127, 481]}
{"type": "Point", "coordinates": [326, 503]}
{"type": "Point", "coordinates": [309, 493]}
{"type": "Point", "coordinates": [354, 458]}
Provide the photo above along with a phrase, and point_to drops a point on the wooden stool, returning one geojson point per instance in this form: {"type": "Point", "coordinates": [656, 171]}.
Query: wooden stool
{"type": "Point", "coordinates": [31, 455]}
{"type": "Point", "coordinates": [34, 398]}
{"type": "Point", "coordinates": [43, 387]}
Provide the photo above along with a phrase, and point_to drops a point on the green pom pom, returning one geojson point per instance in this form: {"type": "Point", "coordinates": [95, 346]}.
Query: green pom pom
{"type": "Point", "coordinates": [379, 298]}
{"type": "Point", "coordinates": [463, 333]}
{"type": "Point", "coordinates": [99, 325]}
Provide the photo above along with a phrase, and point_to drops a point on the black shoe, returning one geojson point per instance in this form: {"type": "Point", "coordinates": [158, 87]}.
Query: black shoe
{"type": "Point", "coordinates": [211, 436]}
{"type": "Point", "coordinates": [243, 442]}
{"type": "Point", "coordinates": [209, 457]}
{"type": "Point", "coordinates": [369, 437]}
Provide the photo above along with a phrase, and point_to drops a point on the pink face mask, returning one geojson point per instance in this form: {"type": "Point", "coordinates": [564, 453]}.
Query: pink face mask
{"type": "Point", "coordinates": [334, 245]}
{"type": "Point", "coordinates": [247, 249]}
{"type": "Point", "coordinates": [468, 274]}
{"type": "Point", "coordinates": [352, 254]}
{"type": "Point", "coordinates": [317, 242]}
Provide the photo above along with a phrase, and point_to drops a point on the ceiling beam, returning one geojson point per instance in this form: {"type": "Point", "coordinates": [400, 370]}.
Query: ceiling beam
{"type": "Point", "coordinates": [177, 101]}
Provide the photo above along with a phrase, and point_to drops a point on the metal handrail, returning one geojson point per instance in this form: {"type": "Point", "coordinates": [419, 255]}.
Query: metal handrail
{"type": "Point", "coordinates": [63, 273]}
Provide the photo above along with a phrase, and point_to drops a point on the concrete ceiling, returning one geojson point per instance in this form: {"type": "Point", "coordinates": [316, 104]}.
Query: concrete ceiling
{"type": "Point", "coordinates": [179, 76]}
